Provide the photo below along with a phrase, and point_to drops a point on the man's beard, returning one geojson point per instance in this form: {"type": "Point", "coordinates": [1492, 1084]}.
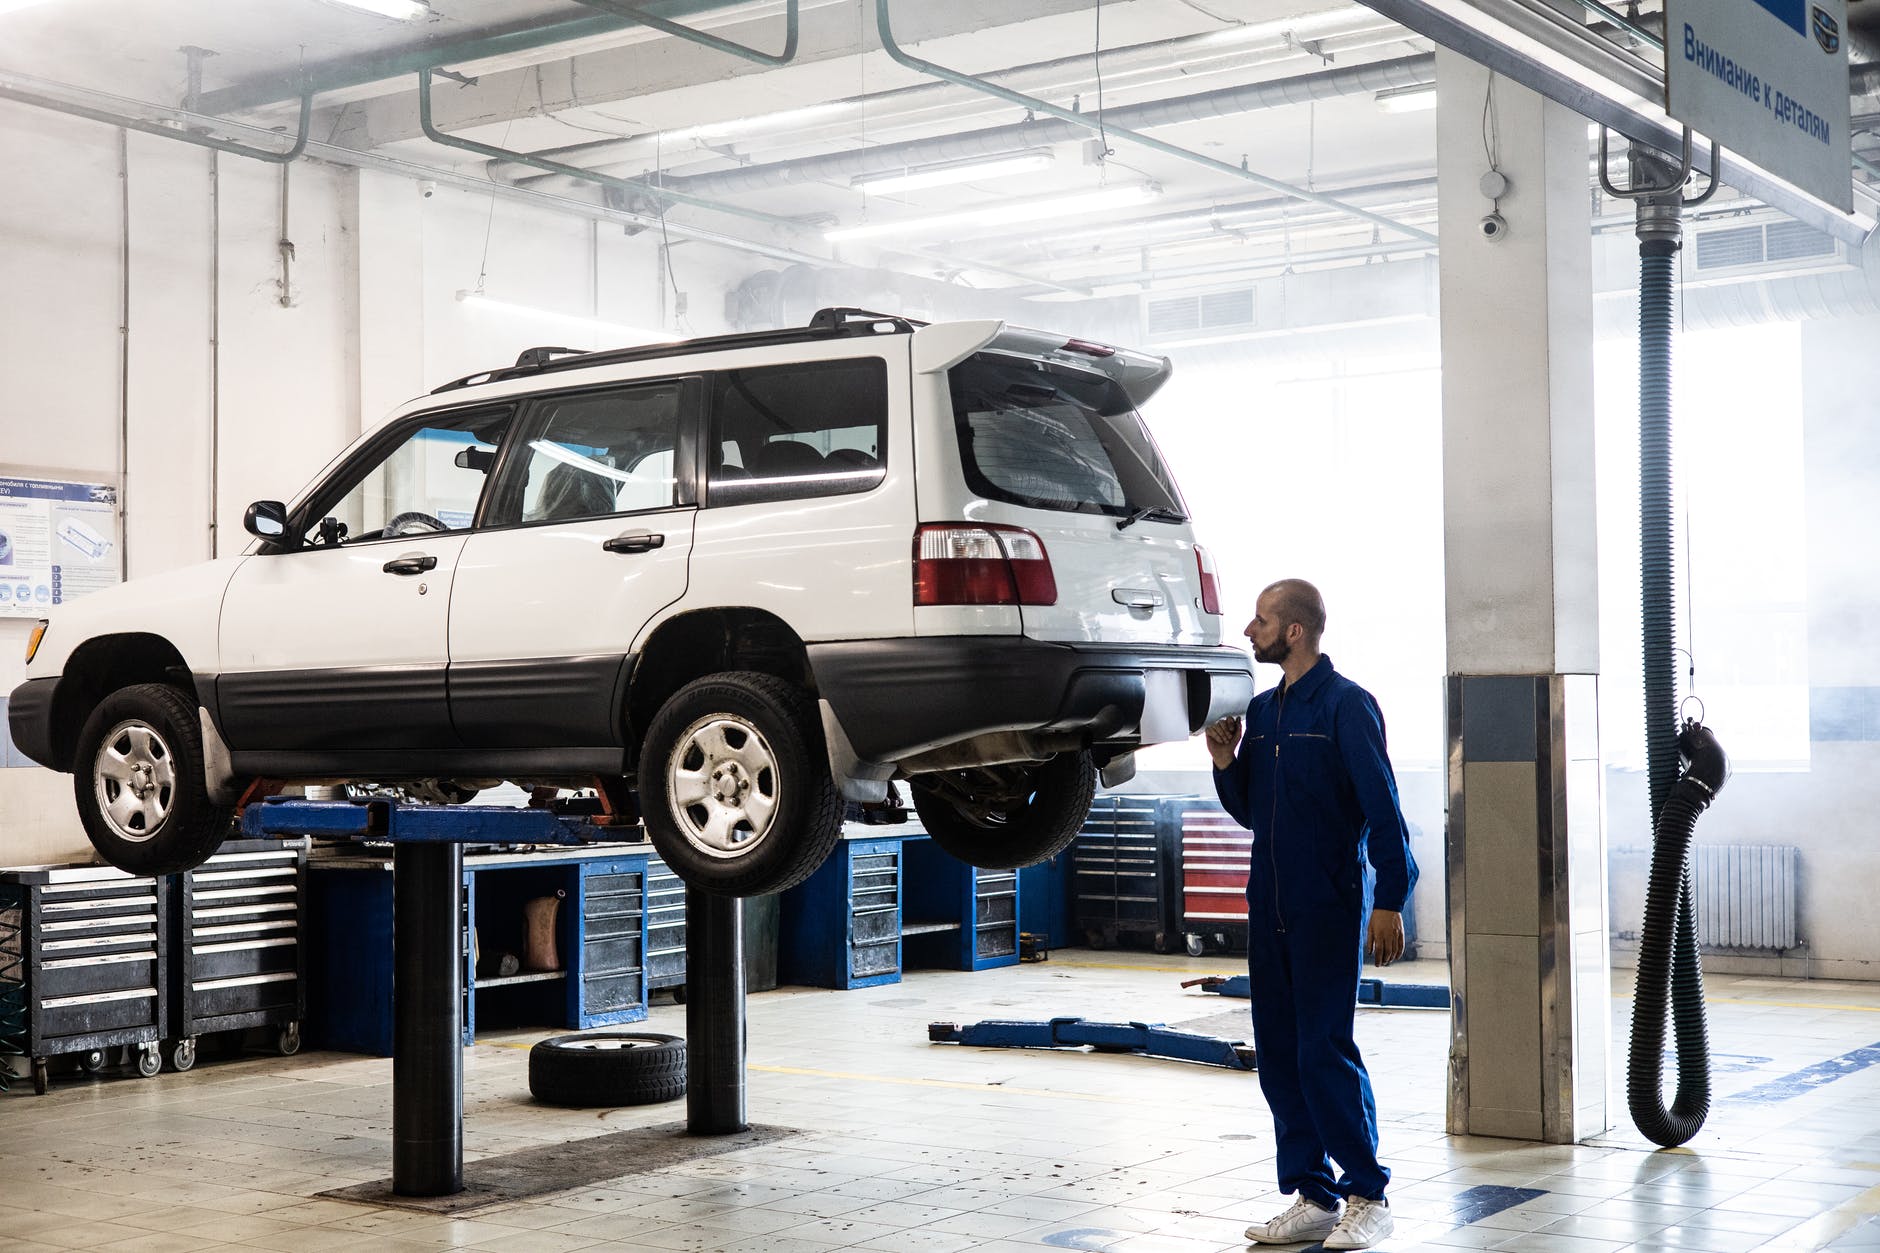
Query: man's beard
{"type": "Point", "coordinates": [1274, 655]}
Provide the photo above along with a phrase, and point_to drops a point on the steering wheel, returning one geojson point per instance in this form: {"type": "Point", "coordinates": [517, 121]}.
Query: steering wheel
{"type": "Point", "coordinates": [413, 523]}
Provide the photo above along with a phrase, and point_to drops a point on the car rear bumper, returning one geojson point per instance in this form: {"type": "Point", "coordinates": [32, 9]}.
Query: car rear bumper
{"type": "Point", "coordinates": [896, 698]}
{"type": "Point", "coordinates": [29, 720]}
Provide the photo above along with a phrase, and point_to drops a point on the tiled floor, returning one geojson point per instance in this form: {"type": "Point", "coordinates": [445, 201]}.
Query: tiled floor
{"type": "Point", "coordinates": [911, 1146]}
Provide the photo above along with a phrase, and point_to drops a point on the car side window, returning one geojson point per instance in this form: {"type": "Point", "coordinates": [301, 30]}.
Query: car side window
{"type": "Point", "coordinates": [594, 455]}
{"type": "Point", "coordinates": [428, 480]}
{"type": "Point", "coordinates": [789, 432]}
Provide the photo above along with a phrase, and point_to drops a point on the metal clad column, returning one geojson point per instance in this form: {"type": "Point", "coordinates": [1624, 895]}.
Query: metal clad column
{"type": "Point", "coordinates": [1530, 1049]}
{"type": "Point", "coordinates": [714, 1014]}
{"type": "Point", "coordinates": [427, 1039]}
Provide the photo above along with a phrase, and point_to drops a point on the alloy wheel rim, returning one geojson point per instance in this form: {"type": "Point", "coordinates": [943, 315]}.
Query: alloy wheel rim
{"type": "Point", "coordinates": [722, 782]}
{"type": "Point", "coordinates": [134, 777]}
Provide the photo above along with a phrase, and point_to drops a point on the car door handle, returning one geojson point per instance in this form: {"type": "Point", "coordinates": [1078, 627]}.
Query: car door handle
{"type": "Point", "coordinates": [410, 563]}
{"type": "Point", "coordinates": [1136, 597]}
{"type": "Point", "coordinates": [635, 542]}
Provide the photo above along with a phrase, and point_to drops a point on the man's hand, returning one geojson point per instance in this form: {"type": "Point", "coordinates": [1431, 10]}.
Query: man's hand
{"type": "Point", "coordinates": [1384, 944]}
{"type": "Point", "coordinates": [1223, 737]}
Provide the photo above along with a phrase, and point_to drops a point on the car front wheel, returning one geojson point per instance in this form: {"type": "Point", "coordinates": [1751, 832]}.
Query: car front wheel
{"type": "Point", "coordinates": [1006, 817]}
{"type": "Point", "coordinates": [735, 786]}
{"type": "Point", "coordinates": [139, 782]}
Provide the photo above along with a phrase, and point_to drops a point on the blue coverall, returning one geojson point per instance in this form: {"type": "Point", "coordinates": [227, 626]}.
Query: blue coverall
{"type": "Point", "coordinates": [1313, 783]}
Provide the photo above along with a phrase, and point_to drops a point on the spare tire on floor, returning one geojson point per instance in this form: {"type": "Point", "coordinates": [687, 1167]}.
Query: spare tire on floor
{"type": "Point", "coordinates": [607, 1068]}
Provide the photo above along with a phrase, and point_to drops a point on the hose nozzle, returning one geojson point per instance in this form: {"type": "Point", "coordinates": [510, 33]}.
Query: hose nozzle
{"type": "Point", "coordinates": [1703, 759]}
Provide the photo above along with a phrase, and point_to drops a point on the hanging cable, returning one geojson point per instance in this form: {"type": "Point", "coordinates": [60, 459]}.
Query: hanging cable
{"type": "Point", "coordinates": [1096, 55]}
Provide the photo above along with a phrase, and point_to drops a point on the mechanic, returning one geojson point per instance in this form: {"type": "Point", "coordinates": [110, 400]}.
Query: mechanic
{"type": "Point", "coordinates": [1313, 783]}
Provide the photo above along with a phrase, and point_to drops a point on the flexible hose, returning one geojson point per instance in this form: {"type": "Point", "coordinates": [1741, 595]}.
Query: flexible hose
{"type": "Point", "coordinates": [1657, 271]}
{"type": "Point", "coordinates": [1670, 973]}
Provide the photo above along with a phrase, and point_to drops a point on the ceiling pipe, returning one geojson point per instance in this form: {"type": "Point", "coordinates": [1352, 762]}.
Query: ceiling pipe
{"type": "Point", "coordinates": [1338, 30]}
{"type": "Point", "coordinates": [630, 188]}
{"type": "Point", "coordinates": [344, 73]}
{"type": "Point", "coordinates": [640, 14]}
{"type": "Point", "coordinates": [1101, 122]}
{"type": "Point", "coordinates": [1325, 84]}
{"type": "Point", "coordinates": [10, 89]}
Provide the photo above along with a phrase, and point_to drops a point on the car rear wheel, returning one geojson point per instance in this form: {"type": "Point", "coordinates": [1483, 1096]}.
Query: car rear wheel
{"type": "Point", "coordinates": [1005, 817]}
{"type": "Point", "coordinates": [735, 787]}
{"type": "Point", "coordinates": [138, 780]}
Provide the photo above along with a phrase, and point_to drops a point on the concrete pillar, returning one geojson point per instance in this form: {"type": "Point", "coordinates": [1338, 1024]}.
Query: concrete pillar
{"type": "Point", "coordinates": [1530, 1052]}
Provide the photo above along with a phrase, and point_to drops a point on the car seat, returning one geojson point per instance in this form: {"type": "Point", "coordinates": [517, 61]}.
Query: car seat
{"type": "Point", "coordinates": [570, 492]}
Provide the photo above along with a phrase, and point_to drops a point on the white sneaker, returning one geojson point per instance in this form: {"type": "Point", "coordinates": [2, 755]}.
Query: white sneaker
{"type": "Point", "coordinates": [1364, 1224]}
{"type": "Point", "coordinates": [1304, 1222]}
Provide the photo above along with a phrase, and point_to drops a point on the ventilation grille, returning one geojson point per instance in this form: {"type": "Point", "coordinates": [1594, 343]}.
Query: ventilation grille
{"type": "Point", "coordinates": [1184, 315]}
{"type": "Point", "coordinates": [1759, 244]}
{"type": "Point", "coordinates": [1745, 895]}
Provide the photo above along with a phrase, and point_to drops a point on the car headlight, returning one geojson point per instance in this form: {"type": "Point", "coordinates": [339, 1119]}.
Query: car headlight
{"type": "Point", "coordinates": [32, 641]}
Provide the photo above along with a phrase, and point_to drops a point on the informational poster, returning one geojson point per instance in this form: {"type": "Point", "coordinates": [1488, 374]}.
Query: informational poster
{"type": "Point", "coordinates": [58, 541]}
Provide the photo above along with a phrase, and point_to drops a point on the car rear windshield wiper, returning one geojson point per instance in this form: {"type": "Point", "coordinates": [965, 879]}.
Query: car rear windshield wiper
{"type": "Point", "coordinates": [1151, 513]}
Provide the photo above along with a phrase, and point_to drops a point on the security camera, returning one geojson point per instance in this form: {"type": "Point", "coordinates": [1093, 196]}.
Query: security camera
{"type": "Point", "coordinates": [1493, 227]}
{"type": "Point", "coordinates": [427, 188]}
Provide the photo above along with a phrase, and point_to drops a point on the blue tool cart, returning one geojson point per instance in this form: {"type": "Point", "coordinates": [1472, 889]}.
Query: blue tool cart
{"type": "Point", "coordinates": [82, 965]}
{"type": "Point", "coordinates": [665, 928]}
{"type": "Point", "coordinates": [237, 957]}
{"type": "Point", "coordinates": [841, 927]}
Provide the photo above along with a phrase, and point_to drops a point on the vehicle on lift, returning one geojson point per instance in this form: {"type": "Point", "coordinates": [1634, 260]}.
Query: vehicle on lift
{"type": "Point", "coordinates": [735, 581]}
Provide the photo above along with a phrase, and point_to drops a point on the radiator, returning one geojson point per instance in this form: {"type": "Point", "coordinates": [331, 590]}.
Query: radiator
{"type": "Point", "coordinates": [1745, 895]}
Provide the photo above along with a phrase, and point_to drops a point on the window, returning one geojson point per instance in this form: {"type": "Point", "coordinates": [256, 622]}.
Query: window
{"type": "Point", "coordinates": [788, 432]}
{"type": "Point", "coordinates": [595, 455]}
{"type": "Point", "coordinates": [1050, 437]}
{"type": "Point", "coordinates": [428, 481]}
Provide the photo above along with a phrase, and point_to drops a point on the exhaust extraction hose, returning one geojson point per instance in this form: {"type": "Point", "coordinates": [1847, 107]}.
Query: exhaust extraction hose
{"type": "Point", "coordinates": [1670, 974]}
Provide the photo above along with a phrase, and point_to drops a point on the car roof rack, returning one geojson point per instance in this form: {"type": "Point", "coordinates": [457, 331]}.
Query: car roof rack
{"type": "Point", "coordinates": [831, 323]}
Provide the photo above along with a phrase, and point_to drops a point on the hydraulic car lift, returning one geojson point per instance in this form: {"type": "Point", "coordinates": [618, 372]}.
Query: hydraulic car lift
{"type": "Point", "coordinates": [1149, 1040]}
{"type": "Point", "coordinates": [428, 974]}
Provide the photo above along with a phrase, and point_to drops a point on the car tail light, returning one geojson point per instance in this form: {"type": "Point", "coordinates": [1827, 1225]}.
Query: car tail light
{"type": "Point", "coordinates": [1210, 581]}
{"type": "Point", "coordinates": [958, 563]}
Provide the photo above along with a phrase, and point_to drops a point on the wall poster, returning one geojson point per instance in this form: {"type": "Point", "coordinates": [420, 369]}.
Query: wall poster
{"type": "Point", "coordinates": [59, 539]}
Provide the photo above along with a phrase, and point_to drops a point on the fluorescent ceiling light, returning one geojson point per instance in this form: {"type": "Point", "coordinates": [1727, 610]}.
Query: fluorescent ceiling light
{"type": "Point", "coordinates": [1005, 214]}
{"type": "Point", "coordinates": [949, 172]}
{"type": "Point", "coordinates": [786, 120]}
{"type": "Point", "coordinates": [480, 301]}
{"type": "Point", "coordinates": [1407, 99]}
{"type": "Point", "coordinates": [403, 10]}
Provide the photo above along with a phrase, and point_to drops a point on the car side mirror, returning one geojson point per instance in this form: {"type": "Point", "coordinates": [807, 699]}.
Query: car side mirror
{"type": "Point", "coordinates": [480, 459]}
{"type": "Point", "coordinates": [266, 519]}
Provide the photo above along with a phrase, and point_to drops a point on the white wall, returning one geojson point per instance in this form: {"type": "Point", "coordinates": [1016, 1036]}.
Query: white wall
{"type": "Point", "coordinates": [372, 321]}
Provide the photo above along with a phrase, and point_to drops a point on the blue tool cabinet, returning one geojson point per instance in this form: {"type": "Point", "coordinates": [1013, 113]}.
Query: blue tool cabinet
{"type": "Point", "coordinates": [601, 937]}
{"type": "Point", "coordinates": [841, 927]}
{"type": "Point", "coordinates": [956, 916]}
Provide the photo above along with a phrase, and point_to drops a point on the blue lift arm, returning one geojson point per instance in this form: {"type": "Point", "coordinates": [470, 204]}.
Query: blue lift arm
{"type": "Point", "coordinates": [1373, 992]}
{"type": "Point", "coordinates": [1105, 1037]}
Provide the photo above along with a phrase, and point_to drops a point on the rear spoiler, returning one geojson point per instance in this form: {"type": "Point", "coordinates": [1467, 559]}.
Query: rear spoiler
{"type": "Point", "coordinates": [945, 344]}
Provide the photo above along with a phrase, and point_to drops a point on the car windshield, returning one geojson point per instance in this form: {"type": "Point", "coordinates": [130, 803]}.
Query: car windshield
{"type": "Point", "coordinates": [1048, 436]}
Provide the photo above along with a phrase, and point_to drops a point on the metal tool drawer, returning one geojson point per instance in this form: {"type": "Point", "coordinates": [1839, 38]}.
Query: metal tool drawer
{"type": "Point", "coordinates": [240, 956]}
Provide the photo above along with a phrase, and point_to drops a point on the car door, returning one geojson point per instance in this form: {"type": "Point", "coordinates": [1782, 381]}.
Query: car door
{"type": "Point", "coordinates": [587, 537]}
{"type": "Point", "coordinates": [337, 642]}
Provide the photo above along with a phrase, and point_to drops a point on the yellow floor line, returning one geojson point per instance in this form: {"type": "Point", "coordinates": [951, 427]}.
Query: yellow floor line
{"type": "Point", "coordinates": [1002, 1088]}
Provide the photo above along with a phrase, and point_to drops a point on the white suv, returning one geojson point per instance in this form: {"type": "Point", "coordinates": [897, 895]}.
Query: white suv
{"type": "Point", "coordinates": [734, 581]}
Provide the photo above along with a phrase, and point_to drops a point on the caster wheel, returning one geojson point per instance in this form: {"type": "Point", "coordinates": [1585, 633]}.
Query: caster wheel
{"type": "Point", "coordinates": [678, 994]}
{"type": "Point", "coordinates": [1195, 945]}
{"type": "Point", "coordinates": [91, 1063]}
{"type": "Point", "coordinates": [149, 1061]}
{"type": "Point", "coordinates": [1161, 943]}
{"type": "Point", "coordinates": [182, 1054]}
{"type": "Point", "coordinates": [42, 1076]}
{"type": "Point", "coordinates": [1094, 938]}
{"type": "Point", "coordinates": [288, 1042]}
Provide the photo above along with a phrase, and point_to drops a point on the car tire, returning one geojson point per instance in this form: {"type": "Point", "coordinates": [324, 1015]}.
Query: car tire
{"type": "Point", "coordinates": [138, 781]}
{"type": "Point", "coordinates": [606, 1069]}
{"type": "Point", "coordinates": [1007, 817]}
{"type": "Point", "coordinates": [735, 787]}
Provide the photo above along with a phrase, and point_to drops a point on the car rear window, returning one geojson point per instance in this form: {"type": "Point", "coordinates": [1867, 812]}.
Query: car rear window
{"type": "Point", "coordinates": [1047, 436]}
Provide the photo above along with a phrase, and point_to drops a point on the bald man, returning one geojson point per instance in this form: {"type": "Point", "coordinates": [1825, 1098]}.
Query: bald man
{"type": "Point", "coordinates": [1313, 783]}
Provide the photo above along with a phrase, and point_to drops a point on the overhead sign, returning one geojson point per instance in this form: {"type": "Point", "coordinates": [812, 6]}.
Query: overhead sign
{"type": "Point", "coordinates": [1766, 79]}
{"type": "Point", "coordinates": [58, 540]}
